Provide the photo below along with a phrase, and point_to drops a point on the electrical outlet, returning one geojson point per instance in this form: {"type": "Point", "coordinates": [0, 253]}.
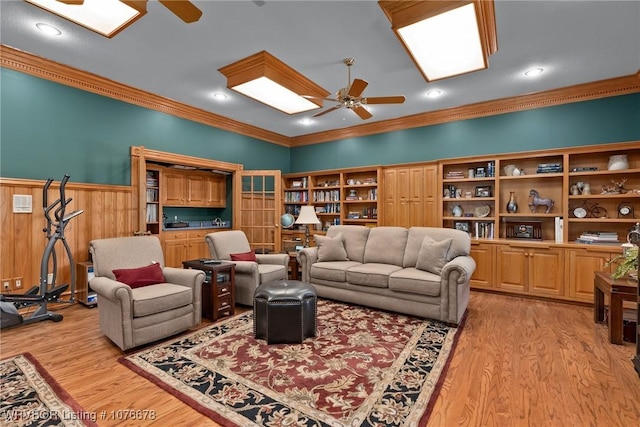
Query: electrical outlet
{"type": "Point", "coordinates": [17, 283]}
{"type": "Point", "coordinates": [6, 284]}
{"type": "Point", "coordinates": [50, 279]}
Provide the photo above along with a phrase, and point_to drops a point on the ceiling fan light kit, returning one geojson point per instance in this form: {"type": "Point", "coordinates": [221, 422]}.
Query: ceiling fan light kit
{"type": "Point", "coordinates": [445, 38]}
{"type": "Point", "coordinates": [109, 17]}
{"type": "Point", "coordinates": [270, 81]}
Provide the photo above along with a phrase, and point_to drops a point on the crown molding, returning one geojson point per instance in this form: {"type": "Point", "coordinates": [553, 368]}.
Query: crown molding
{"type": "Point", "coordinates": [27, 63]}
{"type": "Point", "coordinates": [49, 70]}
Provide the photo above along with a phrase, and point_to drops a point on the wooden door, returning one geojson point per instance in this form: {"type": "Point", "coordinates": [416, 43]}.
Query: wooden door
{"type": "Point", "coordinates": [416, 198]}
{"type": "Point", "coordinates": [259, 193]}
{"type": "Point", "coordinates": [511, 268]}
{"type": "Point", "coordinates": [430, 193]}
{"type": "Point", "coordinates": [545, 272]}
{"type": "Point", "coordinates": [174, 188]}
{"type": "Point", "coordinates": [582, 266]}
{"type": "Point", "coordinates": [196, 190]}
{"type": "Point", "coordinates": [389, 212]}
{"type": "Point", "coordinates": [483, 254]}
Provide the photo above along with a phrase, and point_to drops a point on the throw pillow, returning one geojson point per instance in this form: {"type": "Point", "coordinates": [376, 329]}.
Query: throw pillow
{"type": "Point", "coordinates": [330, 248]}
{"type": "Point", "coordinates": [141, 276]}
{"type": "Point", "coordinates": [433, 255]}
{"type": "Point", "coordinates": [244, 256]}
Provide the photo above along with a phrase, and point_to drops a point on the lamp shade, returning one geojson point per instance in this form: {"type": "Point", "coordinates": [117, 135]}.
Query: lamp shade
{"type": "Point", "coordinates": [307, 216]}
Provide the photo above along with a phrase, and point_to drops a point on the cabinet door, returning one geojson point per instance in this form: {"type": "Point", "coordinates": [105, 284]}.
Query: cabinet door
{"type": "Point", "coordinates": [545, 271]}
{"type": "Point", "coordinates": [511, 268]}
{"type": "Point", "coordinates": [217, 191]}
{"type": "Point", "coordinates": [196, 246]}
{"type": "Point", "coordinates": [583, 265]}
{"type": "Point", "coordinates": [173, 188]}
{"type": "Point", "coordinates": [175, 251]}
{"type": "Point", "coordinates": [196, 190]}
{"type": "Point", "coordinates": [484, 256]}
{"type": "Point", "coordinates": [389, 190]}
{"type": "Point", "coordinates": [430, 188]}
{"type": "Point", "coordinates": [416, 198]}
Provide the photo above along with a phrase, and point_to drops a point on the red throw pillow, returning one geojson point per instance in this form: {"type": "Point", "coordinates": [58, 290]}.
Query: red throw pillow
{"type": "Point", "coordinates": [141, 276]}
{"type": "Point", "coordinates": [245, 256]}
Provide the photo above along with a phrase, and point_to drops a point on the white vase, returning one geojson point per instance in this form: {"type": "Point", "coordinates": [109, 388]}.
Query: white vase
{"type": "Point", "coordinates": [618, 162]}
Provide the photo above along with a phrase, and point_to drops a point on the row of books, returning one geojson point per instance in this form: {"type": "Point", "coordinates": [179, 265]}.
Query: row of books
{"type": "Point", "coordinates": [483, 230]}
{"type": "Point", "coordinates": [598, 238]}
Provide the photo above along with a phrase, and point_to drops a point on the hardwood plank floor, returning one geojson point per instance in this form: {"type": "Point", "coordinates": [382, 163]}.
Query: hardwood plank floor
{"type": "Point", "coordinates": [519, 362]}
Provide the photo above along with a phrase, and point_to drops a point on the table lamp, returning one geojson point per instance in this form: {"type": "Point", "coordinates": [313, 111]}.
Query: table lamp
{"type": "Point", "coordinates": [307, 216]}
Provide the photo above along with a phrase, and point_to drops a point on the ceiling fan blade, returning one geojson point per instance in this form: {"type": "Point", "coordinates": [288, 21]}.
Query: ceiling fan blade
{"type": "Point", "coordinates": [71, 1]}
{"type": "Point", "coordinates": [322, 113]}
{"type": "Point", "coordinates": [183, 9]}
{"type": "Point", "coordinates": [357, 87]}
{"type": "Point", "coordinates": [383, 100]}
{"type": "Point", "coordinates": [362, 112]}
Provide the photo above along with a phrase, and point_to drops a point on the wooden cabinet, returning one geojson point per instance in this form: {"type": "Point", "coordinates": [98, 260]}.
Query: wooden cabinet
{"type": "Point", "coordinates": [484, 275]}
{"type": "Point", "coordinates": [193, 188]}
{"type": "Point", "coordinates": [84, 293]}
{"type": "Point", "coordinates": [184, 245]}
{"type": "Point", "coordinates": [218, 289]}
{"type": "Point", "coordinates": [410, 196]}
{"type": "Point", "coordinates": [582, 264]}
{"type": "Point", "coordinates": [530, 270]}
{"type": "Point", "coordinates": [360, 196]}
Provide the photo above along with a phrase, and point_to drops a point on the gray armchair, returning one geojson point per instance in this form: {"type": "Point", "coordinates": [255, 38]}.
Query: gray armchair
{"type": "Point", "coordinates": [249, 274]}
{"type": "Point", "coordinates": [131, 317]}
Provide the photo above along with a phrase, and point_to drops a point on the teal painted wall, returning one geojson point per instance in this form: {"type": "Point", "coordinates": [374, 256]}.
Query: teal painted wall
{"type": "Point", "coordinates": [48, 129]}
{"type": "Point", "coordinates": [607, 120]}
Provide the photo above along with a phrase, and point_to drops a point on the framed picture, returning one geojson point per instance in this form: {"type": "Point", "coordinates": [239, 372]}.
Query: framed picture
{"type": "Point", "coordinates": [481, 172]}
{"type": "Point", "coordinates": [462, 226]}
{"type": "Point", "coordinates": [483, 191]}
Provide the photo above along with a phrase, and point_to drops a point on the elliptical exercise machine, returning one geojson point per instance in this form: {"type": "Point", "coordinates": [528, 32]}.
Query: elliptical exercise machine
{"type": "Point", "coordinates": [45, 292]}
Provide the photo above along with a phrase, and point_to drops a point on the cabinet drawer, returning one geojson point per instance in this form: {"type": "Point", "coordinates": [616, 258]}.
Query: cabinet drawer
{"type": "Point", "coordinates": [223, 289]}
{"type": "Point", "coordinates": [175, 235]}
{"type": "Point", "coordinates": [224, 303]}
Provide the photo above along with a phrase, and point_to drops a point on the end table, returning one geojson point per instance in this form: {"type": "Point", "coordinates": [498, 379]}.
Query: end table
{"type": "Point", "coordinates": [617, 290]}
{"type": "Point", "coordinates": [218, 289]}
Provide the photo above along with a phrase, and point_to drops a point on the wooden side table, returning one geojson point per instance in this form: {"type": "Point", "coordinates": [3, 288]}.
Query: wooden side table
{"type": "Point", "coordinates": [218, 289]}
{"type": "Point", "coordinates": [618, 290]}
{"type": "Point", "coordinates": [294, 266]}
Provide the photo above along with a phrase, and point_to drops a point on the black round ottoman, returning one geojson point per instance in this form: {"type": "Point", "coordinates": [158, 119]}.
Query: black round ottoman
{"type": "Point", "coordinates": [284, 311]}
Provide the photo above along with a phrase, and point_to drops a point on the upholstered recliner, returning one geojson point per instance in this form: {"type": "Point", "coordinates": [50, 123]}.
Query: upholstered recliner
{"type": "Point", "coordinates": [249, 274]}
{"type": "Point", "coordinates": [131, 317]}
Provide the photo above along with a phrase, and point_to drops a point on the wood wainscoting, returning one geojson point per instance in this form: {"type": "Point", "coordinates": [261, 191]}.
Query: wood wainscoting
{"type": "Point", "coordinates": [107, 213]}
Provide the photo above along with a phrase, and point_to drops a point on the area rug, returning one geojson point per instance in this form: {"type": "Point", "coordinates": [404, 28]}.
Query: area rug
{"type": "Point", "coordinates": [365, 368]}
{"type": "Point", "coordinates": [29, 396]}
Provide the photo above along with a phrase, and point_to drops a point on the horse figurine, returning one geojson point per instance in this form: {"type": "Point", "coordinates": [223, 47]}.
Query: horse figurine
{"type": "Point", "coordinates": [537, 201]}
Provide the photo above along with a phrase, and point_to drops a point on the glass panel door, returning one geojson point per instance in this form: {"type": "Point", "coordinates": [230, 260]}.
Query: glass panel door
{"type": "Point", "coordinates": [260, 209]}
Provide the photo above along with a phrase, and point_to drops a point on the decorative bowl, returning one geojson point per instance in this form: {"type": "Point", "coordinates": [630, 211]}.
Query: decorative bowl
{"type": "Point", "coordinates": [508, 170]}
{"type": "Point", "coordinates": [618, 162]}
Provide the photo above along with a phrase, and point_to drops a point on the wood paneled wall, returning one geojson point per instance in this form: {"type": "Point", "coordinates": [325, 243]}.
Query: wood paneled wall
{"type": "Point", "coordinates": [107, 212]}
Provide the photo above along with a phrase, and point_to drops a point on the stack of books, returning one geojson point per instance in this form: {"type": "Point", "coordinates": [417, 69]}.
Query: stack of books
{"type": "Point", "coordinates": [454, 175]}
{"type": "Point", "coordinates": [598, 238]}
{"type": "Point", "coordinates": [549, 168]}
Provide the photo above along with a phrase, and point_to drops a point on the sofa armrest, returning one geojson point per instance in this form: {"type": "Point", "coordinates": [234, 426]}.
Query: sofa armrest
{"type": "Point", "coordinates": [184, 276]}
{"type": "Point", "coordinates": [279, 259]}
{"type": "Point", "coordinates": [111, 289]}
{"type": "Point", "coordinates": [306, 258]}
{"type": "Point", "coordinates": [463, 265]}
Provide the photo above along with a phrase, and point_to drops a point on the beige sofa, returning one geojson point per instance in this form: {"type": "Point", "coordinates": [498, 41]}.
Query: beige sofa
{"type": "Point", "coordinates": [421, 271]}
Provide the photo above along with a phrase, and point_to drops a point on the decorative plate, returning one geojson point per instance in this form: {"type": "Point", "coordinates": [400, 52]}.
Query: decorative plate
{"type": "Point", "coordinates": [482, 211]}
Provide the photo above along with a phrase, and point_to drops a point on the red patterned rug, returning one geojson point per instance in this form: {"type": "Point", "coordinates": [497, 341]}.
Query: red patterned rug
{"type": "Point", "coordinates": [365, 368]}
{"type": "Point", "coordinates": [29, 396]}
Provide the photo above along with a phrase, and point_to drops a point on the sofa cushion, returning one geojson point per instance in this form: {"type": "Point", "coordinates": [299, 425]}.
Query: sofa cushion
{"type": "Point", "coordinates": [159, 298]}
{"type": "Point", "coordinates": [461, 242]}
{"type": "Point", "coordinates": [244, 256]}
{"type": "Point", "coordinates": [433, 255]}
{"type": "Point", "coordinates": [141, 276]}
{"type": "Point", "coordinates": [354, 238]}
{"type": "Point", "coordinates": [330, 248]}
{"type": "Point", "coordinates": [414, 281]}
{"type": "Point", "coordinates": [385, 245]}
{"type": "Point", "coordinates": [335, 271]}
{"type": "Point", "coordinates": [371, 274]}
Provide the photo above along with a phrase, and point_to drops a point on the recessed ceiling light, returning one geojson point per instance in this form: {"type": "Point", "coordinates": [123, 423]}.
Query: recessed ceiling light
{"type": "Point", "coordinates": [306, 121]}
{"type": "Point", "coordinates": [220, 96]}
{"type": "Point", "coordinates": [48, 29]}
{"type": "Point", "coordinates": [434, 93]}
{"type": "Point", "coordinates": [534, 72]}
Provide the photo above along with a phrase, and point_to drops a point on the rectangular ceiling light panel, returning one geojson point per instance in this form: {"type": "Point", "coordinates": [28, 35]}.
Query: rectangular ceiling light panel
{"type": "Point", "coordinates": [106, 17]}
{"type": "Point", "coordinates": [447, 44]}
{"type": "Point", "coordinates": [266, 79]}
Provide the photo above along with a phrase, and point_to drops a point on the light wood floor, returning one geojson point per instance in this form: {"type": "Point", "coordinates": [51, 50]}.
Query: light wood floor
{"type": "Point", "coordinates": [519, 362]}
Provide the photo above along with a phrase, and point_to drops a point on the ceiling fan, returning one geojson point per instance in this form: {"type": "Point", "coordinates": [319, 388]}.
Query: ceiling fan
{"type": "Point", "coordinates": [350, 97]}
{"type": "Point", "coordinates": [183, 9]}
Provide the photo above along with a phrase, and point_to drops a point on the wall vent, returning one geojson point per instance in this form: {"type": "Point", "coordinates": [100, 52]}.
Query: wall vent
{"type": "Point", "coordinates": [22, 203]}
